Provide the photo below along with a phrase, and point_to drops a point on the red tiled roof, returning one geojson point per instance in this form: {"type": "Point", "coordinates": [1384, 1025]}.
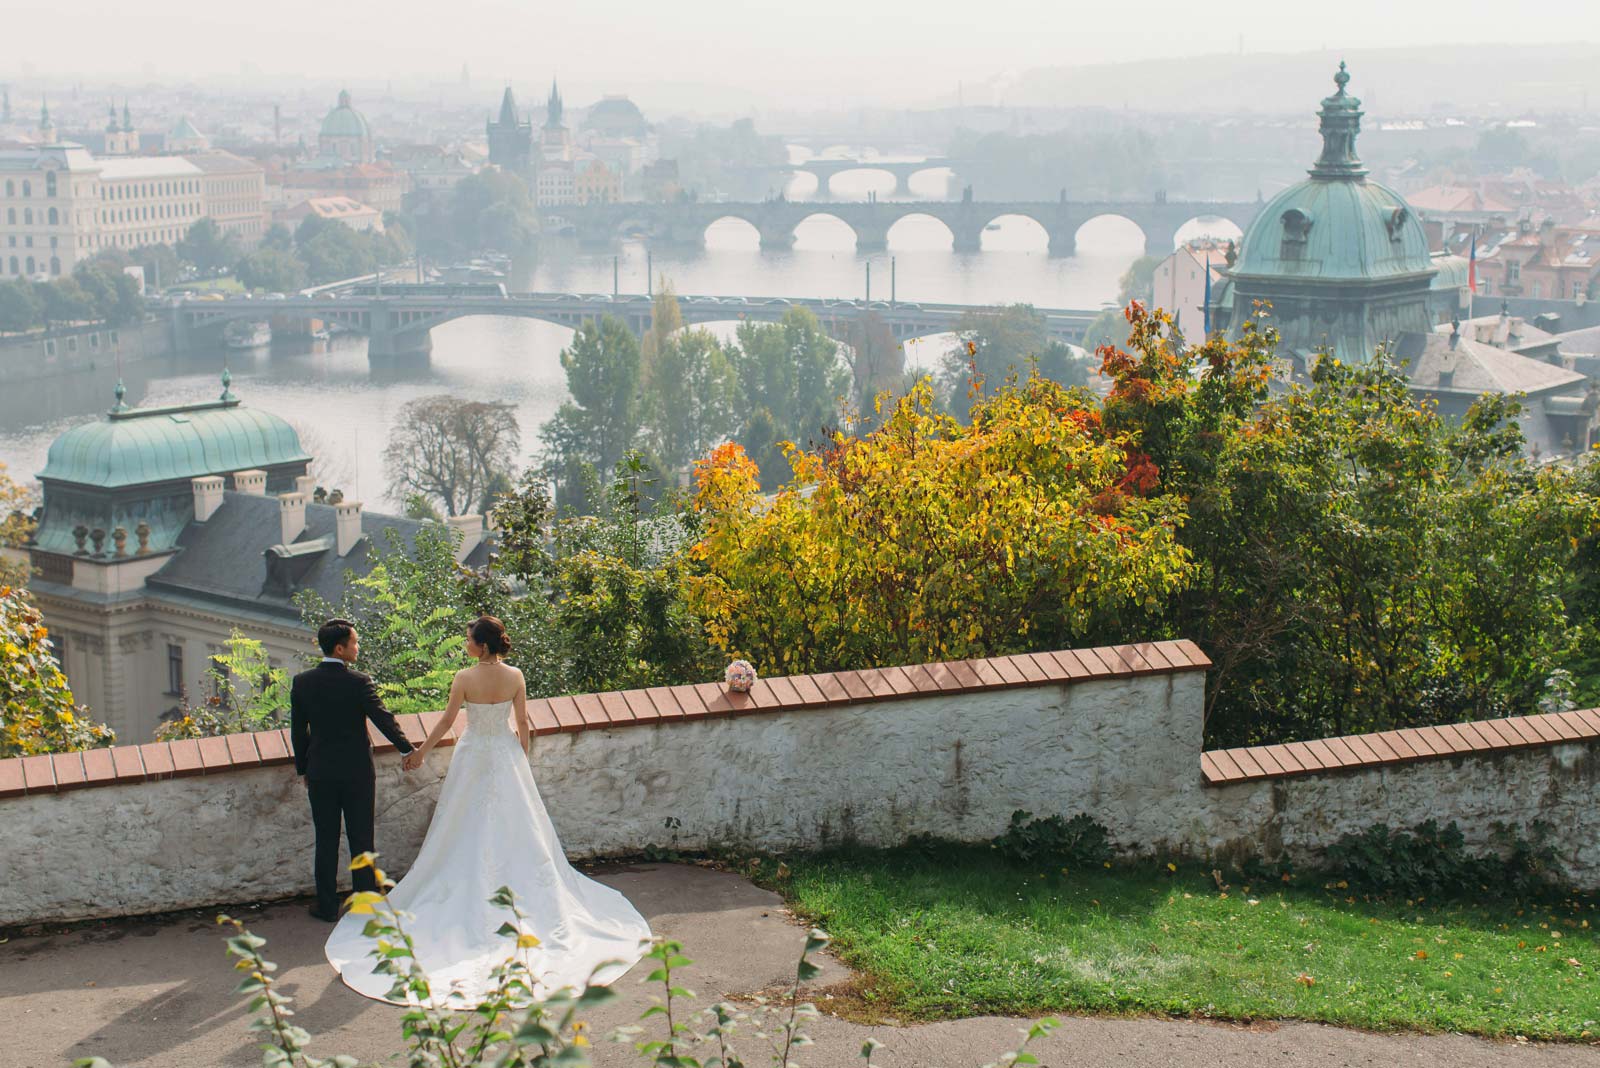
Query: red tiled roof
{"type": "Point", "coordinates": [619, 709]}
{"type": "Point", "coordinates": [1222, 767]}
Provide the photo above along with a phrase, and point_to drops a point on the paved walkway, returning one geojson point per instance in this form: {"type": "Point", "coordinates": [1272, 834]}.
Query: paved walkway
{"type": "Point", "coordinates": [149, 994]}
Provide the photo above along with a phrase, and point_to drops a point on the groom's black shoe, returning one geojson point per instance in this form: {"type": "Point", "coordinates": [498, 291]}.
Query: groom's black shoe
{"type": "Point", "coordinates": [318, 914]}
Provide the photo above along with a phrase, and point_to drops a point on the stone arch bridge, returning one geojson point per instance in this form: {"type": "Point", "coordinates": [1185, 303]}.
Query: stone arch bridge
{"type": "Point", "coordinates": [685, 223]}
{"type": "Point", "coordinates": [397, 321]}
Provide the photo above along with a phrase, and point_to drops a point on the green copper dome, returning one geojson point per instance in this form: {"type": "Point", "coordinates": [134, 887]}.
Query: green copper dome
{"type": "Point", "coordinates": [1336, 225]}
{"type": "Point", "coordinates": [141, 446]}
{"type": "Point", "coordinates": [344, 120]}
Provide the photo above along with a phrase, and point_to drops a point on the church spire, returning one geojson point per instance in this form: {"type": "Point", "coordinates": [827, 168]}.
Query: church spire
{"type": "Point", "coordinates": [553, 106]}
{"type": "Point", "coordinates": [127, 120]}
{"type": "Point", "coordinates": [508, 108]}
{"type": "Point", "coordinates": [1341, 121]}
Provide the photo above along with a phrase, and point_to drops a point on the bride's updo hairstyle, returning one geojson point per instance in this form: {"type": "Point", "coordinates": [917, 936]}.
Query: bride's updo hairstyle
{"type": "Point", "coordinates": [490, 633]}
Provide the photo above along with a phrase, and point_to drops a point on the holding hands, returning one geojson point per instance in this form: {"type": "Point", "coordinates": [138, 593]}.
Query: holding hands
{"type": "Point", "coordinates": [412, 760]}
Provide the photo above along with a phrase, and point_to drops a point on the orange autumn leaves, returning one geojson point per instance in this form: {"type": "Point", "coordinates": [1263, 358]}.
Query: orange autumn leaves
{"type": "Point", "coordinates": [929, 539]}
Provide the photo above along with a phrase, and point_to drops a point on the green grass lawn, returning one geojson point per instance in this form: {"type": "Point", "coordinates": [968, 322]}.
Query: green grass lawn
{"type": "Point", "coordinates": [962, 934]}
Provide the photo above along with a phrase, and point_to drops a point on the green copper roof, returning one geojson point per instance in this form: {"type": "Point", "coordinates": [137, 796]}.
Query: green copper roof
{"type": "Point", "coordinates": [344, 120]}
{"type": "Point", "coordinates": [1336, 226]}
{"type": "Point", "coordinates": [139, 446]}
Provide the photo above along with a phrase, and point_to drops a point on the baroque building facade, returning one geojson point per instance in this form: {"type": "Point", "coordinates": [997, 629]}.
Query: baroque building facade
{"type": "Point", "coordinates": [165, 529]}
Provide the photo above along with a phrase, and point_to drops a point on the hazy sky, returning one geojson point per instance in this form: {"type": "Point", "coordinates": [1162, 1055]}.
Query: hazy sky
{"type": "Point", "coordinates": [806, 53]}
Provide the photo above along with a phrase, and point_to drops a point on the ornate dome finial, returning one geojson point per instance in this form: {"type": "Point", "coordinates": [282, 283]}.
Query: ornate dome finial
{"type": "Point", "coordinates": [121, 391]}
{"type": "Point", "coordinates": [1340, 122]}
{"type": "Point", "coordinates": [227, 383]}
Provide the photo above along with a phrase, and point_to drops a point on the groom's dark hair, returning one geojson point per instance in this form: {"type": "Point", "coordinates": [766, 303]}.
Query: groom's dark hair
{"type": "Point", "coordinates": [334, 633]}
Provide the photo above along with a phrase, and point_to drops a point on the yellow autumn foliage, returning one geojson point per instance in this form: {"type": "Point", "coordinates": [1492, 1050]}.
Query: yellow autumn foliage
{"type": "Point", "coordinates": [929, 539]}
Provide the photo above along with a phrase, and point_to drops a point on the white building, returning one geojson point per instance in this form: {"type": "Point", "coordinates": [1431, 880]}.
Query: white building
{"type": "Point", "coordinates": [60, 206]}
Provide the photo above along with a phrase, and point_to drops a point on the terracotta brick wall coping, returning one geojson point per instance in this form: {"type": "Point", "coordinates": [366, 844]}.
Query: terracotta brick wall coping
{"type": "Point", "coordinates": [605, 711]}
{"type": "Point", "coordinates": [1356, 752]}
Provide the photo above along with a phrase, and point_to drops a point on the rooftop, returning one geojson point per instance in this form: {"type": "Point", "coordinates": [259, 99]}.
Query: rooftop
{"type": "Point", "coordinates": [226, 557]}
{"type": "Point", "coordinates": [126, 168]}
{"type": "Point", "coordinates": [1443, 363]}
{"type": "Point", "coordinates": [139, 446]}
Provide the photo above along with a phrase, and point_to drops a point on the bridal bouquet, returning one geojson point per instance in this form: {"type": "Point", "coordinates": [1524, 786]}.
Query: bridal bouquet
{"type": "Point", "coordinates": [740, 676]}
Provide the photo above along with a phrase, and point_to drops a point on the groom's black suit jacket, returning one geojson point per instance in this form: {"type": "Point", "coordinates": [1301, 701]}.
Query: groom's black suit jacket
{"type": "Point", "coordinates": [329, 706]}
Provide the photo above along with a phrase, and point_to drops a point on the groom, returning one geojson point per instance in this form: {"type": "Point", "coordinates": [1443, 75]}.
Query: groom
{"type": "Point", "coordinates": [329, 707]}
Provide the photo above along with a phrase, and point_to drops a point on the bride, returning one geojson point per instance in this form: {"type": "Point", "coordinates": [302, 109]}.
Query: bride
{"type": "Point", "coordinates": [490, 830]}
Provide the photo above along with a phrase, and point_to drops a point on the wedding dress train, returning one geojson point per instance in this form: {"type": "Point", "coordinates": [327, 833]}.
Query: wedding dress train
{"type": "Point", "coordinates": [489, 830]}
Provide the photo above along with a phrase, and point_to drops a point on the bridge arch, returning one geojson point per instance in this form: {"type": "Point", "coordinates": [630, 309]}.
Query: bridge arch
{"type": "Point", "coordinates": [1015, 232]}
{"type": "Point", "coordinates": [1216, 227]}
{"type": "Point", "coordinates": [945, 171]}
{"type": "Point", "coordinates": [732, 231]}
{"type": "Point", "coordinates": [1112, 233]}
{"type": "Point", "coordinates": [921, 230]}
{"type": "Point", "coordinates": [825, 230]}
{"type": "Point", "coordinates": [887, 182]}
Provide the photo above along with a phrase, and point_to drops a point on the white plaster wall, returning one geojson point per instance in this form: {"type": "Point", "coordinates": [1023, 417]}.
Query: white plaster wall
{"type": "Point", "coordinates": [1125, 751]}
{"type": "Point", "coordinates": [1299, 817]}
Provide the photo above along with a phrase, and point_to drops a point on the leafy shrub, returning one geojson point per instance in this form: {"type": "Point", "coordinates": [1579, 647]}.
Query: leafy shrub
{"type": "Point", "coordinates": [1079, 842]}
{"type": "Point", "coordinates": [1429, 861]}
{"type": "Point", "coordinates": [248, 694]}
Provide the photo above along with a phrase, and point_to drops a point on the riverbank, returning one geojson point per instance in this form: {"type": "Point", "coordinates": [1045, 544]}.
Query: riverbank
{"type": "Point", "coordinates": [80, 349]}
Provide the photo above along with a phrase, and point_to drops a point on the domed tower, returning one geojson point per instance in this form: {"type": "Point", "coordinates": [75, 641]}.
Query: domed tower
{"type": "Point", "coordinates": [345, 134]}
{"type": "Point", "coordinates": [1342, 259]}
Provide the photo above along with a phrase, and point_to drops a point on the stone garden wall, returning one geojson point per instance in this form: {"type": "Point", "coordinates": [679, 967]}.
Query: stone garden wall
{"type": "Point", "coordinates": [803, 762]}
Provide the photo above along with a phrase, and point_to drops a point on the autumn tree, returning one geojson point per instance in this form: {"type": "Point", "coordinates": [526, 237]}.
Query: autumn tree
{"type": "Point", "coordinates": [37, 710]}
{"type": "Point", "coordinates": [1359, 562]}
{"type": "Point", "coordinates": [452, 450]}
{"type": "Point", "coordinates": [792, 382]}
{"type": "Point", "coordinates": [1030, 528]}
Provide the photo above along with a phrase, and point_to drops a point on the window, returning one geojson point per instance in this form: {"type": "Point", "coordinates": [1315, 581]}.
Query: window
{"type": "Point", "coordinates": [11, 216]}
{"type": "Point", "coordinates": [15, 269]}
{"type": "Point", "coordinates": [174, 669]}
{"type": "Point", "coordinates": [27, 216]}
{"type": "Point", "coordinates": [27, 188]}
{"type": "Point", "coordinates": [55, 265]}
{"type": "Point", "coordinates": [11, 188]}
{"type": "Point", "coordinates": [1513, 273]}
{"type": "Point", "coordinates": [54, 217]}
{"type": "Point", "coordinates": [50, 184]}
{"type": "Point", "coordinates": [32, 267]}
{"type": "Point", "coordinates": [1577, 290]}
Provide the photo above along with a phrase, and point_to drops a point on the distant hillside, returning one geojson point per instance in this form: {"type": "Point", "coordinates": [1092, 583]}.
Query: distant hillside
{"type": "Point", "coordinates": [1462, 79]}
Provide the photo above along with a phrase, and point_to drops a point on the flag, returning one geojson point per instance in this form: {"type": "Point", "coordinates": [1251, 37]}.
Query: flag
{"type": "Point", "coordinates": [1472, 265]}
{"type": "Point", "coordinates": [1207, 308]}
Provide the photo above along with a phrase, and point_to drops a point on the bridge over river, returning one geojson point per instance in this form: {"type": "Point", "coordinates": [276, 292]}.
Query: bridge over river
{"type": "Point", "coordinates": [684, 223]}
{"type": "Point", "coordinates": [396, 319]}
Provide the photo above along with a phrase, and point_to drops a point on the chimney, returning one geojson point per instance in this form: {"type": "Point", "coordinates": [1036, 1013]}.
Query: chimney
{"type": "Point", "coordinates": [306, 484]}
{"type": "Point", "coordinates": [207, 496]}
{"type": "Point", "coordinates": [252, 481]}
{"type": "Point", "coordinates": [346, 525]}
{"type": "Point", "coordinates": [470, 529]}
{"type": "Point", "coordinates": [292, 513]}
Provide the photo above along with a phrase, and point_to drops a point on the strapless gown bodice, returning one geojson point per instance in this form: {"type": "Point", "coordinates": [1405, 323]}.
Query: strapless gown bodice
{"type": "Point", "coordinates": [490, 829]}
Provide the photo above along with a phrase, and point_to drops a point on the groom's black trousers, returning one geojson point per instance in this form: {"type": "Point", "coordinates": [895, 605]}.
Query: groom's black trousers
{"type": "Point", "coordinates": [333, 800]}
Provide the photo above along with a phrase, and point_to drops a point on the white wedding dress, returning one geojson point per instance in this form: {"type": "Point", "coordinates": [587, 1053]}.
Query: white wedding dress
{"type": "Point", "coordinates": [490, 830]}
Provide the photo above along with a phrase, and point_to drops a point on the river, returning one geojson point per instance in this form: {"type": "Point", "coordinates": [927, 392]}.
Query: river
{"type": "Point", "coordinates": [344, 412]}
